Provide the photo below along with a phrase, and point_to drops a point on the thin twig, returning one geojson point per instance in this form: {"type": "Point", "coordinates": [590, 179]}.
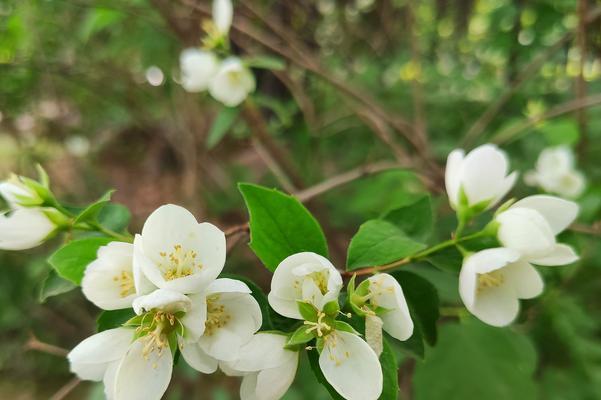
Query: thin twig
{"type": "Point", "coordinates": [494, 108]}
{"type": "Point", "coordinates": [594, 229]}
{"type": "Point", "coordinates": [564, 108]}
{"type": "Point", "coordinates": [66, 389]}
{"type": "Point", "coordinates": [581, 41]}
{"type": "Point", "coordinates": [34, 344]}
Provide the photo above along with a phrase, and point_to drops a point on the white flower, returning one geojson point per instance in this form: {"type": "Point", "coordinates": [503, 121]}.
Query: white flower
{"type": "Point", "coordinates": [267, 368]}
{"type": "Point", "coordinates": [555, 173]}
{"type": "Point", "coordinates": [351, 366]}
{"type": "Point", "coordinates": [108, 281]}
{"type": "Point", "coordinates": [175, 252]}
{"type": "Point", "coordinates": [481, 175]}
{"type": "Point", "coordinates": [18, 194]}
{"type": "Point", "coordinates": [306, 277]}
{"type": "Point", "coordinates": [231, 317]}
{"type": "Point", "coordinates": [232, 83]}
{"type": "Point", "coordinates": [24, 228]}
{"type": "Point", "coordinates": [223, 13]}
{"type": "Point", "coordinates": [140, 368]}
{"type": "Point", "coordinates": [385, 292]}
{"type": "Point", "coordinates": [492, 281]}
{"type": "Point", "coordinates": [531, 224]}
{"type": "Point", "coordinates": [198, 67]}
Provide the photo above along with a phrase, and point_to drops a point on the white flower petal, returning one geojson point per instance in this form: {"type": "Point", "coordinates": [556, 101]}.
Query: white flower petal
{"type": "Point", "coordinates": [273, 383]}
{"type": "Point", "coordinates": [263, 351]}
{"type": "Point", "coordinates": [387, 293]}
{"type": "Point", "coordinates": [194, 320]}
{"type": "Point", "coordinates": [525, 230]}
{"type": "Point", "coordinates": [141, 376]}
{"type": "Point", "coordinates": [561, 254]}
{"type": "Point", "coordinates": [226, 285]}
{"type": "Point", "coordinates": [351, 367]}
{"type": "Point", "coordinates": [142, 263]}
{"type": "Point", "coordinates": [110, 376]}
{"type": "Point", "coordinates": [90, 358]}
{"type": "Point", "coordinates": [248, 387]}
{"type": "Point", "coordinates": [197, 67]}
{"type": "Point", "coordinates": [198, 359]}
{"type": "Point", "coordinates": [525, 279]}
{"type": "Point", "coordinates": [232, 83]}
{"type": "Point", "coordinates": [223, 13]}
{"type": "Point", "coordinates": [162, 299]}
{"type": "Point", "coordinates": [107, 280]}
{"type": "Point", "coordinates": [453, 175]}
{"type": "Point", "coordinates": [497, 306]}
{"type": "Point", "coordinates": [559, 213]}
{"type": "Point", "coordinates": [24, 228]}
{"type": "Point", "coordinates": [483, 174]}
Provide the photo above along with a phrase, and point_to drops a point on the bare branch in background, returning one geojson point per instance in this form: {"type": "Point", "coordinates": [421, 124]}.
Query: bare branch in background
{"type": "Point", "coordinates": [34, 344]}
{"type": "Point", "coordinates": [581, 41]}
{"type": "Point", "coordinates": [528, 71]}
{"type": "Point", "coordinates": [64, 391]}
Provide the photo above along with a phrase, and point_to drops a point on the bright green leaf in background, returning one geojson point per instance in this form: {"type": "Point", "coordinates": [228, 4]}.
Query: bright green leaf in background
{"type": "Point", "coordinates": [476, 361]}
{"type": "Point", "coordinates": [379, 242]}
{"type": "Point", "coordinates": [54, 285]}
{"type": "Point", "coordinates": [415, 219]}
{"type": "Point", "coordinates": [71, 260]}
{"type": "Point", "coordinates": [114, 217]}
{"type": "Point", "coordinates": [221, 125]}
{"type": "Point", "coordinates": [280, 225]}
{"type": "Point", "coordinates": [90, 213]}
{"type": "Point", "coordinates": [560, 132]}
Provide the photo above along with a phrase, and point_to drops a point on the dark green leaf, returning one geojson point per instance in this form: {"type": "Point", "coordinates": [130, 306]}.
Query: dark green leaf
{"type": "Point", "coordinates": [221, 125]}
{"type": "Point", "coordinates": [115, 217]}
{"type": "Point", "coordinates": [414, 346]}
{"type": "Point", "coordinates": [54, 285]}
{"type": "Point", "coordinates": [422, 298]}
{"type": "Point", "coordinates": [415, 219]}
{"type": "Point", "coordinates": [379, 242]}
{"type": "Point", "coordinates": [475, 361]}
{"type": "Point", "coordinates": [449, 259]}
{"type": "Point", "coordinates": [113, 319]}
{"type": "Point", "coordinates": [390, 390]}
{"type": "Point", "coordinates": [91, 212]}
{"type": "Point", "coordinates": [71, 260]}
{"type": "Point", "coordinates": [280, 225]}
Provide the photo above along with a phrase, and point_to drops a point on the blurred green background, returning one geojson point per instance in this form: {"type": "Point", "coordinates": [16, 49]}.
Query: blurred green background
{"type": "Point", "coordinates": [88, 88]}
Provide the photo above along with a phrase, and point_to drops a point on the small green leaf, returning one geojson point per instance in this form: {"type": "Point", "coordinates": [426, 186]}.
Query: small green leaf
{"type": "Point", "coordinates": [307, 310]}
{"type": "Point", "coordinates": [415, 219]}
{"type": "Point", "coordinates": [221, 125]}
{"type": "Point", "coordinates": [390, 387]}
{"type": "Point", "coordinates": [300, 336]}
{"type": "Point", "coordinates": [115, 217]}
{"type": "Point", "coordinates": [331, 308]}
{"type": "Point", "coordinates": [71, 261]}
{"type": "Point", "coordinates": [343, 326]}
{"type": "Point", "coordinates": [423, 302]}
{"type": "Point", "coordinates": [91, 212]}
{"type": "Point", "coordinates": [265, 62]}
{"type": "Point", "coordinates": [379, 242]}
{"type": "Point", "coordinates": [280, 225]}
{"type": "Point", "coordinates": [314, 362]}
{"type": "Point", "coordinates": [54, 285]}
{"type": "Point", "coordinates": [114, 319]}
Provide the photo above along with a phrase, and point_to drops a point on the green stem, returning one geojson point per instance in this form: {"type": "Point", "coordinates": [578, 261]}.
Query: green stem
{"type": "Point", "coordinates": [92, 226]}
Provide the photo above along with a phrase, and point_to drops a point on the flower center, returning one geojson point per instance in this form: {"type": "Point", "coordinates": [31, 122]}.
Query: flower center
{"type": "Point", "coordinates": [178, 263]}
{"type": "Point", "coordinates": [125, 280]}
{"type": "Point", "coordinates": [489, 280]}
{"type": "Point", "coordinates": [217, 316]}
{"type": "Point", "coordinates": [330, 344]}
{"type": "Point", "coordinates": [321, 327]}
{"type": "Point", "coordinates": [321, 280]}
{"type": "Point", "coordinates": [154, 333]}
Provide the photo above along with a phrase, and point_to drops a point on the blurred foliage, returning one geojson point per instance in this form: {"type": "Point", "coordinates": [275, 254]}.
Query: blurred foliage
{"type": "Point", "coordinates": [89, 89]}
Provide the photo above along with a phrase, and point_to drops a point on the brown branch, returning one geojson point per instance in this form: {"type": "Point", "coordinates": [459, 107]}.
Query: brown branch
{"type": "Point", "coordinates": [34, 344]}
{"type": "Point", "coordinates": [493, 109]}
{"type": "Point", "coordinates": [66, 389]}
{"type": "Point", "coordinates": [594, 229]}
{"type": "Point", "coordinates": [511, 132]}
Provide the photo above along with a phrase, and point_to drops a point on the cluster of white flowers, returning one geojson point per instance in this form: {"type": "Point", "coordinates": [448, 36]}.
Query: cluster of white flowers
{"type": "Point", "coordinates": [228, 80]}
{"type": "Point", "coordinates": [169, 276]}
{"type": "Point", "coordinates": [26, 223]}
{"type": "Point", "coordinates": [492, 281]}
{"type": "Point", "coordinates": [555, 172]}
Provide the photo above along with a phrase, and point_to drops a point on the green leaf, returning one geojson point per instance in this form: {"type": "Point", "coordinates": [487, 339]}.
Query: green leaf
{"type": "Point", "coordinates": [331, 308]}
{"type": "Point", "coordinates": [379, 242]}
{"type": "Point", "coordinates": [221, 125]}
{"type": "Point", "coordinates": [343, 326]}
{"type": "Point", "coordinates": [415, 219]}
{"type": "Point", "coordinates": [265, 62]}
{"type": "Point", "coordinates": [71, 261]}
{"type": "Point", "coordinates": [300, 336]}
{"type": "Point", "coordinates": [280, 225]}
{"type": "Point", "coordinates": [449, 259]}
{"type": "Point", "coordinates": [561, 132]}
{"type": "Point", "coordinates": [115, 217]}
{"type": "Point", "coordinates": [314, 362]}
{"type": "Point", "coordinates": [414, 346]}
{"type": "Point", "coordinates": [54, 285]}
{"type": "Point", "coordinates": [475, 361]}
{"type": "Point", "coordinates": [390, 371]}
{"type": "Point", "coordinates": [113, 319]}
{"type": "Point", "coordinates": [422, 298]}
{"type": "Point", "coordinates": [307, 311]}
{"type": "Point", "coordinates": [90, 213]}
